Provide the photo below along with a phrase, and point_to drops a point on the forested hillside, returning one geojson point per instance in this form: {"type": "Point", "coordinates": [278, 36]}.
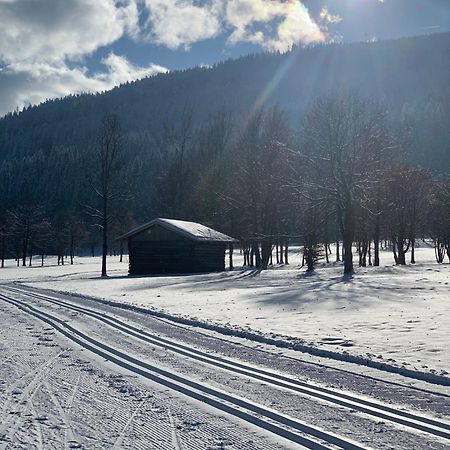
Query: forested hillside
{"type": "Point", "coordinates": [411, 76]}
{"type": "Point", "coordinates": [183, 132]}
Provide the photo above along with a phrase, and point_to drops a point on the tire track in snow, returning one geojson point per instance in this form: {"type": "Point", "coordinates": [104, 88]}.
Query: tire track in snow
{"type": "Point", "coordinates": [380, 411]}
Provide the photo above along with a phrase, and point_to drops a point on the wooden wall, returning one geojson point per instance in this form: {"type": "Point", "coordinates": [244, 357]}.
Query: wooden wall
{"type": "Point", "coordinates": [174, 254]}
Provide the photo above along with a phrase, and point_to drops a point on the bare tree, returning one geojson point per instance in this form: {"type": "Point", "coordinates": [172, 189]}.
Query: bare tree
{"type": "Point", "coordinates": [29, 229]}
{"type": "Point", "coordinates": [210, 166]}
{"type": "Point", "coordinates": [177, 143]}
{"type": "Point", "coordinates": [4, 234]}
{"type": "Point", "coordinates": [406, 193]}
{"type": "Point", "coordinates": [343, 139]}
{"type": "Point", "coordinates": [439, 219]}
{"type": "Point", "coordinates": [104, 178]}
{"type": "Point", "coordinates": [311, 226]}
{"type": "Point", "coordinates": [257, 186]}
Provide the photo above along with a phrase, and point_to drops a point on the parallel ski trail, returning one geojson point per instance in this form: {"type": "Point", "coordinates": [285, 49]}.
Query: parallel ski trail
{"type": "Point", "coordinates": [270, 420]}
{"type": "Point", "coordinates": [381, 411]}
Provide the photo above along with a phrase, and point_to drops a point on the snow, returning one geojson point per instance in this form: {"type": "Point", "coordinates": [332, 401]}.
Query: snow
{"type": "Point", "coordinates": [191, 230]}
{"type": "Point", "coordinates": [57, 396]}
{"type": "Point", "coordinates": [395, 316]}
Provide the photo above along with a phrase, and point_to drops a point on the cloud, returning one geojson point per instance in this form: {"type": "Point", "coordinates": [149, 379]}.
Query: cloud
{"type": "Point", "coordinates": [44, 43]}
{"type": "Point", "coordinates": [55, 30]}
{"type": "Point", "coordinates": [296, 27]}
{"type": "Point", "coordinates": [121, 70]}
{"type": "Point", "coordinates": [273, 25]}
{"type": "Point", "coordinates": [252, 21]}
{"type": "Point", "coordinates": [26, 83]}
{"type": "Point", "coordinates": [180, 23]}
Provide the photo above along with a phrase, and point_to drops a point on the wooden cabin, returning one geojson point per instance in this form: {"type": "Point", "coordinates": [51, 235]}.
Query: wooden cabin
{"type": "Point", "coordinates": [176, 246]}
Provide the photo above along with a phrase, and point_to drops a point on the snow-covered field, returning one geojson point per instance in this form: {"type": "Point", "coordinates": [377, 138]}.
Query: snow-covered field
{"type": "Point", "coordinates": [56, 395]}
{"type": "Point", "coordinates": [395, 315]}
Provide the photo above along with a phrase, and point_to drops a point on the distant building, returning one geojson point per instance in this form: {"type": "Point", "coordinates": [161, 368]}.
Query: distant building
{"type": "Point", "coordinates": [176, 246]}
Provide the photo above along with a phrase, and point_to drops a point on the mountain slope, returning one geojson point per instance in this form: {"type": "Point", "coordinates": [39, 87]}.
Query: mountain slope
{"type": "Point", "coordinates": [402, 73]}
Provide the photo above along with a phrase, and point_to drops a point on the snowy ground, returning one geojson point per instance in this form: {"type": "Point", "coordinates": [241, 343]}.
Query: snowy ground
{"type": "Point", "coordinates": [104, 383]}
{"type": "Point", "coordinates": [72, 389]}
{"type": "Point", "coordinates": [396, 315]}
{"type": "Point", "coordinates": [54, 395]}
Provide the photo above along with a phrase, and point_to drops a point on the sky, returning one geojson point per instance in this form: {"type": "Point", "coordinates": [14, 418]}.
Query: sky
{"type": "Point", "coordinates": [53, 48]}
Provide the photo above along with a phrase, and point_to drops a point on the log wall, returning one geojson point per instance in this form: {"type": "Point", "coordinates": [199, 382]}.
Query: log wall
{"type": "Point", "coordinates": [183, 256]}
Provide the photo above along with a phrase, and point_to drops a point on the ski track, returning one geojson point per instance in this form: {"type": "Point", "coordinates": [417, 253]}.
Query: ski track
{"type": "Point", "coordinates": [175, 439]}
{"type": "Point", "coordinates": [103, 404]}
{"type": "Point", "coordinates": [68, 431]}
{"type": "Point", "coordinates": [25, 401]}
{"type": "Point", "coordinates": [281, 341]}
{"type": "Point", "coordinates": [383, 411]}
{"type": "Point", "coordinates": [269, 420]}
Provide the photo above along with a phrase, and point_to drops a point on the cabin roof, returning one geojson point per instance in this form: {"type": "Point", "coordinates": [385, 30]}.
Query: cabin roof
{"type": "Point", "coordinates": [190, 230]}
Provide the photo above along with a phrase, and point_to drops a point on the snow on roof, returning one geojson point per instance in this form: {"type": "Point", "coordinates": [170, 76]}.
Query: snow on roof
{"type": "Point", "coordinates": [191, 230]}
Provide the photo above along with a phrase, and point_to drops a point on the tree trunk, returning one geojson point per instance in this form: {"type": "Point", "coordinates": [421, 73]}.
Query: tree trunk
{"type": "Point", "coordinates": [3, 251]}
{"type": "Point", "coordinates": [24, 251]}
{"type": "Point", "coordinates": [258, 260]}
{"type": "Point", "coordinates": [413, 246]}
{"type": "Point", "coordinates": [376, 243]}
{"type": "Point", "coordinates": [264, 255]}
{"type": "Point", "coordinates": [286, 252]}
{"type": "Point", "coordinates": [401, 260]}
{"type": "Point", "coordinates": [309, 259]}
{"type": "Point", "coordinates": [339, 224]}
{"type": "Point", "coordinates": [231, 256]}
{"type": "Point", "coordinates": [439, 251]}
{"type": "Point", "coordinates": [105, 237]}
{"type": "Point", "coordinates": [348, 257]}
{"type": "Point", "coordinates": [72, 245]}
{"type": "Point", "coordinates": [364, 259]}
{"type": "Point", "coordinates": [399, 251]}
{"type": "Point", "coordinates": [347, 239]}
{"type": "Point", "coordinates": [394, 250]}
{"type": "Point", "coordinates": [362, 252]}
